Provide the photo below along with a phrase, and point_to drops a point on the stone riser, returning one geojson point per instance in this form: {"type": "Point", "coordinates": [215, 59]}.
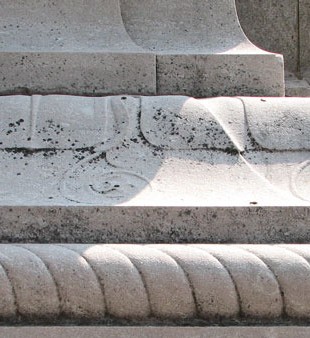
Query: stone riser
{"type": "Point", "coordinates": [95, 224]}
{"type": "Point", "coordinates": [141, 74]}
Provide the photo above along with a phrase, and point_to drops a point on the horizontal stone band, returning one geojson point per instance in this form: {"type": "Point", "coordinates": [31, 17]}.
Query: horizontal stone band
{"type": "Point", "coordinates": [108, 151]}
{"type": "Point", "coordinates": [166, 282]}
{"type": "Point", "coordinates": [167, 122]}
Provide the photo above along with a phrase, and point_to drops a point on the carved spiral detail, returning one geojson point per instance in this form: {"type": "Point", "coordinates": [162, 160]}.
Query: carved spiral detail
{"type": "Point", "coordinates": [154, 281]}
{"type": "Point", "coordinates": [94, 185]}
{"type": "Point", "coordinates": [300, 181]}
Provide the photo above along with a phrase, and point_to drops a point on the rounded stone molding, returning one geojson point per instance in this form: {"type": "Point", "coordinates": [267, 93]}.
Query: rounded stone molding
{"type": "Point", "coordinates": [162, 282]}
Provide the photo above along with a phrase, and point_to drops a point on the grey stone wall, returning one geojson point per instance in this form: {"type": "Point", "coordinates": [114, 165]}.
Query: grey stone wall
{"type": "Point", "coordinates": [279, 26]}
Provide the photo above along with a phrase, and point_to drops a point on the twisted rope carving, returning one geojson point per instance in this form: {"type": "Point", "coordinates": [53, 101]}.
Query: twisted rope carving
{"type": "Point", "coordinates": [161, 281]}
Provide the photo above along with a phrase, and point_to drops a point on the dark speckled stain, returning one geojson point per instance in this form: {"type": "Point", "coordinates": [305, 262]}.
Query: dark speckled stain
{"type": "Point", "coordinates": [110, 321]}
{"type": "Point", "coordinates": [14, 126]}
{"type": "Point", "coordinates": [218, 225]}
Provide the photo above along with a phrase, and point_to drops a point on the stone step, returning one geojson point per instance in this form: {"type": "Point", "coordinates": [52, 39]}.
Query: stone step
{"type": "Point", "coordinates": [295, 87]}
{"type": "Point", "coordinates": [197, 284]}
{"type": "Point", "coordinates": [154, 151]}
{"type": "Point", "coordinates": [116, 47]}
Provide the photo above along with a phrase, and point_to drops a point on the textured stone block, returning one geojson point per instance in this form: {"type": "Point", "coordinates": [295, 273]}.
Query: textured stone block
{"type": "Point", "coordinates": [157, 224]}
{"type": "Point", "coordinates": [155, 332]}
{"type": "Point", "coordinates": [71, 47]}
{"type": "Point", "coordinates": [121, 47]}
{"type": "Point", "coordinates": [304, 15]}
{"type": "Point", "coordinates": [126, 150]}
{"type": "Point", "coordinates": [203, 75]}
{"type": "Point", "coordinates": [62, 122]}
{"type": "Point", "coordinates": [153, 283]}
{"type": "Point", "coordinates": [157, 159]}
{"type": "Point", "coordinates": [88, 72]}
{"type": "Point", "coordinates": [201, 49]}
{"type": "Point", "coordinates": [288, 129]}
{"type": "Point", "coordinates": [273, 26]}
{"type": "Point", "coordinates": [295, 87]}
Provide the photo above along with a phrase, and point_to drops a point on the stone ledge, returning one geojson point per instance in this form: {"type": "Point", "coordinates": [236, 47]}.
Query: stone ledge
{"type": "Point", "coordinates": [155, 332]}
{"type": "Point", "coordinates": [137, 283]}
{"type": "Point", "coordinates": [295, 87]}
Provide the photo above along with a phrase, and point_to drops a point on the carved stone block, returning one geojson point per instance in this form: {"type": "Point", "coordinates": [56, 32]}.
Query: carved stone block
{"type": "Point", "coordinates": [123, 47]}
{"type": "Point", "coordinates": [151, 152]}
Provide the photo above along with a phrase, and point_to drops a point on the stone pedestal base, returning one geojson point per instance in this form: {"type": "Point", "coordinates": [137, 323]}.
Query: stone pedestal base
{"type": "Point", "coordinates": [98, 48]}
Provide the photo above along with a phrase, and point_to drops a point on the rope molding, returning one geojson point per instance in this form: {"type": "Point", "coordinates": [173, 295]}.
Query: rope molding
{"type": "Point", "coordinates": [154, 281]}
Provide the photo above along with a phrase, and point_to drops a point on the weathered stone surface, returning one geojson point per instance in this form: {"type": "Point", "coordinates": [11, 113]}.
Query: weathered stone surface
{"type": "Point", "coordinates": [86, 72]}
{"type": "Point", "coordinates": [62, 122]}
{"type": "Point", "coordinates": [205, 51]}
{"type": "Point", "coordinates": [280, 124]}
{"type": "Point", "coordinates": [165, 162]}
{"type": "Point", "coordinates": [71, 47]}
{"type": "Point", "coordinates": [161, 224]}
{"type": "Point", "coordinates": [204, 75]}
{"type": "Point", "coordinates": [273, 26]}
{"type": "Point", "coordinates": [182, 124]}
{"type": "Point", "coordinates": [304, 15]}
{"type": "Point", "coordinates": [281, 27]}
{"type": "Point", "coordinates": [306, 75]}
{"type": "Point", "coordinates": [154, 332]}
{"type": "Point", "coordinates": [141, 151]}
{"type": "Point", "coordinates": [146, 169]}
{"type": "Point", "coordinates": [295, 87]}
{"type": "Point", "coordinates": [79, 48]}
{"type": "Point", "coordinates": [211, 283]}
